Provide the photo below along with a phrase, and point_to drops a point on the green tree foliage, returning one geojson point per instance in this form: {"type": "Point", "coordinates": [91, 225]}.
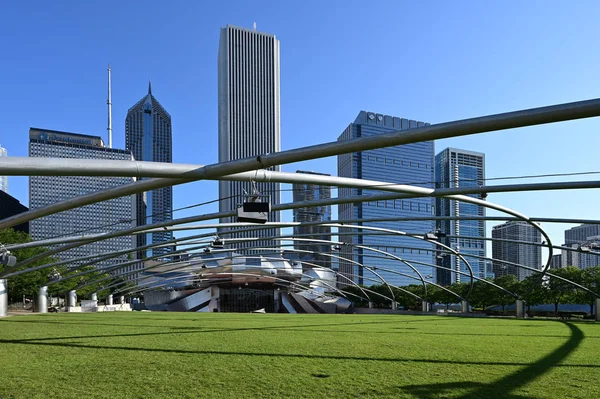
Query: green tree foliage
{"type": "Point", "coordinates": [25, 284]}
{"type": "Point", "coordinates": [355, 295]}
{"type": "Point", "coordinates": [590, 279]}
{"type": "Point", "coordinates": [483, 294]}
{"type": "Point", "coordinates": [559, 291]}
{"type": "Point", "coordinates": [412, 302]}
{"type": "Point", "coordinates": [28, 284]}
{"type": "Point", "coordinates": [510, 283]}
{"type": "Point", "coordinates": [533, 291]}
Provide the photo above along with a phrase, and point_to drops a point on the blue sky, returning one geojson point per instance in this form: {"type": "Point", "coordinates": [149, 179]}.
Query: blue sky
{"type": "Point", "coordinates": [433, 61]}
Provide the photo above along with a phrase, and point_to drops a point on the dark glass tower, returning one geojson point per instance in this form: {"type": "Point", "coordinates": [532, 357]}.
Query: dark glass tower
{"type": "Point", "coordinates": [310, 192]}
{"type": "Point", "coordinates": [148, 137]}
{"type": "Point", "coordinates": [460, 168]}
{"type": "Point", "coordinates": [404, 164]}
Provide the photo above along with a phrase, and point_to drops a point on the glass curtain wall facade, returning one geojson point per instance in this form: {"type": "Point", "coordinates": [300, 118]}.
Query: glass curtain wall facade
{"type": "Point", "coordinates": [248, 76]}
{"type": "Point", "coordinates": [583, 235]}
{"type": "Point", "coordinates": [107, 216]}
{"type": "Point", "coordinates": [148, 136]}
{"type": "Point", "coordinates": [406, 164]}
{"type": "Point", "coordinates": [522, 254]}
{"type": "Point", "coordinates": [460, 168]}
{"type": "Point", "coordinates": [3, 179]}
{"type": "Point", "coordinates": [310, 192]}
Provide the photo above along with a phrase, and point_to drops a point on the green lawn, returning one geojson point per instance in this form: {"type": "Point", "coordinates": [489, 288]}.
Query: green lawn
{"type": "Point", "coordinates": [191, 355]}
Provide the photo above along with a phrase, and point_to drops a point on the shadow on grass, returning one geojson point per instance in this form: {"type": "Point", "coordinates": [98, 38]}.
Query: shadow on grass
{"type": "Point", "coordinates": [44, 320]}
{"type": "Point", "coordinates": [426, 391]}
{"type": "Point", "coordinates": [504, 387]}
{"type": "Point", "coordinates": [178, 330]}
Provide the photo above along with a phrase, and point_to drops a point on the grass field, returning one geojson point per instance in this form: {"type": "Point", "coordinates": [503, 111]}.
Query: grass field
{"type": "Point", "coordinates": [192, 355]}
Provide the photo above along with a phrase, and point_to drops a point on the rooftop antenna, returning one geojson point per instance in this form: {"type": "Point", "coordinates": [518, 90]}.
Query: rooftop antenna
{"type": "Point", "coordinates": [109, 103]}
{"type": "Point", "coordinates": [254, 26]}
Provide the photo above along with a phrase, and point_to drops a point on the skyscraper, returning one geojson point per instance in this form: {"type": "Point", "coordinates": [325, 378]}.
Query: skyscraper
{"type": "Point", "coordinates": [460, 168]}
{"type": "Point", "coordinates": [405, 164]}
{"type": "Point", "coordinates": [522, 254]}
{"type": "Point", "coordinates": [310, 192]}
{"type": "Point", "coordinates": [581, 237]}
{"type": "Point", "coordinates": [3, 179]}
{"type": "Point", "coordinates": [248, 68]}
{"type": "Point", "coordinates": [148, 137]}
{"type": "Point", "coordinates": [107, 216]}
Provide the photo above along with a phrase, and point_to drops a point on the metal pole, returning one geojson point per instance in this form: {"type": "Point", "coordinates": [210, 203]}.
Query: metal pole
{"type": "Point", "coordinates": [4, 297]}
{"type": "Point", "coordinates": [72, 298]}
{"type": "Point", "coordinates": [43, 300]}
{"type": "Point", "coordinates": [464, 306]}
{"type": "Point", "coordinates": [425, 306]}
{"type": "Point", "coordinates": [519, 309]}
{"type": "Point", "coordinates": [109, 103]}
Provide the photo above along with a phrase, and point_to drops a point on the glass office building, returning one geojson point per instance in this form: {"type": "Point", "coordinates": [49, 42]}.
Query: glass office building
{"type": "Point", "coordinates": [248, 69]}
{"type": "Point", "coordinates": [406, 164]}
{"type": "Point", "coordinates": [107, 216]}
{"type": "Point", "coordinates": [148, 136]}
{"type": "Point", "coordinates": [522, 254]}
{"type": "Point", "coordinates": [460, 168]}
{"type": "Point", "coordinates": [585, 235]}
{"type": "Point", "coordinates": [312, 192]}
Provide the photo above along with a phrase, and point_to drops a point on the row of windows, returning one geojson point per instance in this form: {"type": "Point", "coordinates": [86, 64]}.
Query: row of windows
{"type": "Point", "coordinates": [45, 149]}
{"type": "Point", "coordinates": [404, 205]}
{"type": "Point", "coordinates": [392, 161]}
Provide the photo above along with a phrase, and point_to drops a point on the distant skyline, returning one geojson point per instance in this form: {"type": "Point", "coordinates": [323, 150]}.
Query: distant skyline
{"type": "Point", "coordinates": [473, 59]}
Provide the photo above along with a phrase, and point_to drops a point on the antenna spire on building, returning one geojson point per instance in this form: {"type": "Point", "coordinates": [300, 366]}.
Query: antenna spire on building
{"type": "Point", "coordinates": [149, 86]}
{"type": "Point", "coordinates": [109, 103]}
{"type": "Point", "coordinates": [254, 26]}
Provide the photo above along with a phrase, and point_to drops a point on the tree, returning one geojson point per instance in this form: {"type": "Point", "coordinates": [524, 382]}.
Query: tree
{"type": "Point", "coordinates": [590, 279]}
{"type": "Point", "coordinates": [355, 295]}
{"type": "Point", "coordinates": [509, 283]}
{"type": "Point", "coordinates": [446, 298]}
{"type": "Point", "coordinates": [559, 291]}
{"type": "Point", "coordinates": [483, 294]}
{"type": "Point", "coordinates": [27, 283]}
{"type": "Point", "coordinates": [533, 291]}
{"type": "Point", "coordinates": [406, 300]}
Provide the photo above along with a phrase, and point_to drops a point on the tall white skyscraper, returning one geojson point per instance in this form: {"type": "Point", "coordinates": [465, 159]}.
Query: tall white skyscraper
{"type": "Point", "coordinates": [3, 179]}
{"type": "Point", "coordinates": [248, 114]}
